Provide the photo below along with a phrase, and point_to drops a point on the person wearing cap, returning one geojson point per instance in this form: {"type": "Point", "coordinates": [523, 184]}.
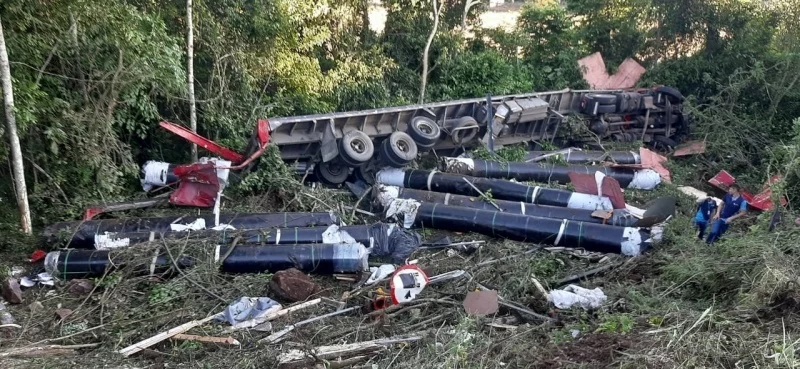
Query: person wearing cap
{"type": "Point", "coordinates": [733, 207]}
{"type": "Point", "coordinates": [705, 210]}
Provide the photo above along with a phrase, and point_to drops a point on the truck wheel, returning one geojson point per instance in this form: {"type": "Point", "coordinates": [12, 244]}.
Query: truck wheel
{"type": "Point", "coordinates": [356, 148]}
{"type": "Point", "coordinates": [399, 149]}
{"type": "Point", "coordinates": [331, 173]}
{"type": "Point", "coordinates": [664, 144]}
{"type": "Point", "coordinates": [674, 96]}
{"type": "Point", "coordinates": [464, 131]}
{"type": "Point", "coordinates": [424, 131]}
{"type": "Point", "coordinates": [366, 172]}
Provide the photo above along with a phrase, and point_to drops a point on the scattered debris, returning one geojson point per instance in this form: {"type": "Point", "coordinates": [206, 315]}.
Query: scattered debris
{"type": "Point", "coordinates": [6, 319]}
{"type": "Point", "coordinates": [249, 308]}
{"type": "Point", "coordinates": [45, 279]}
{"type": "Point", "coordinates": [481, 303]}
{"type": "Point", "coordinates": [80, 287]}
{"type": "Point", "coordinates": [689, 149]}
{"type": "Point", "coordinates": [258, 322]}
{"type": "Point", "coordinates": [293, 285]}
{"type": "Point", "coordinates": [46, 351]}
{"type": "Point", "coordinates": [228, 341]}
{"type": "Point", "coordinates": [596, 75]}
{"type": "Point", "coordinates": [63, 313]}
{"type": "Point", "coordinates": [301, 359]}
{"type": "Point", "coordinates": [761, 201]}
{"type": "Point", "coordinates": [407, 283]}
{"type": "Point", "coordinates": [573, 295]}
{"type": "Point", "coordinates": [277, 336]}
{"type": "Point", "coordinates": [380, 273]}
{"type": "Point", "coordinates": [139, 346]}
{"type": "Point", "coordinates": [11, 291]}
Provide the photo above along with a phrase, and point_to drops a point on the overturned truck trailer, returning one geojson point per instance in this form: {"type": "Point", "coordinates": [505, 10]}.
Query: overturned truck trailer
{"type": "Point", "coordinates": [336, 143]}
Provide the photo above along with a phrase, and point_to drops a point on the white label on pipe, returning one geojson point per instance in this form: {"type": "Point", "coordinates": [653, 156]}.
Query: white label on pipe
{"type": "Point", "coordinates": [106, 241]}
{"type": "Point", "coordinates": [589, 202]}
{"type": "Point", "coordinates": [197, 225]}
{"type": "Point", "coordinates": [405, 207]}
{"type": "Point", "coordinates": [390, 176]}
{"type": "Point", "coordinates": [335, 235]}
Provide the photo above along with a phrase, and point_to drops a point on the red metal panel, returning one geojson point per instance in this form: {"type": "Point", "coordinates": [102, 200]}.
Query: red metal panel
{"type": "Point", "coordinates": [203, 142]}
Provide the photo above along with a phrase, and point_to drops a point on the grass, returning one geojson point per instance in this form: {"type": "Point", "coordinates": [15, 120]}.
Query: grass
{"type": "Point", "coordinates": [683, 305]}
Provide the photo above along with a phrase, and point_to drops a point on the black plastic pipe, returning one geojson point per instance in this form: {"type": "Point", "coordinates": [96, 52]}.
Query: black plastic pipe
{"type": "Point", "coordinates": [310, 258]}
{"type": "Point", "coordinates": [524, 228]}
{"type": "Point", "coordinates": [498, 188]}
{"type": "Point", "coordinates": [620, 218]}
{"type": "Point", "coordinates": [643, 179]}
{"type": "Point", "coordinates": [82, 234]}
{"type": "Point", "coordinates": [572, 156]}
{"type": "Point", "coordinates": [365, 234]}
{"type": "Point", "coordinates": [71, 264]}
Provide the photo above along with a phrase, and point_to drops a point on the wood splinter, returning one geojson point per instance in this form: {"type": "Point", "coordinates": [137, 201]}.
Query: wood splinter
{"type": "Point", "coordinates": [230, 341]}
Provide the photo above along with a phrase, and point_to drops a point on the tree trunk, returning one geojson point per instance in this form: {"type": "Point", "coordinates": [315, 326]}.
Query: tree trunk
{"type": "Point", "coordinates": [468, 4]}
{"type": "Point", "coordinates": [13, 138]}
{"type": "Point", "coordinates": [424, 80]}
{"type": "Point", "coordinates": [190, 80]}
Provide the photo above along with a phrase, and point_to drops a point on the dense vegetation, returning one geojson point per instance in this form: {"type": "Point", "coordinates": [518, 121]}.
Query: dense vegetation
{"type": "Point", "coordinates": [93, 78]}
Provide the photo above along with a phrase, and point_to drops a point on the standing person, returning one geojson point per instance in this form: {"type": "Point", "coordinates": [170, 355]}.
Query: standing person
{"type": "Point", "coordinates": [733, 206]}
{"type": "Point", "coordinates": [705, 210]}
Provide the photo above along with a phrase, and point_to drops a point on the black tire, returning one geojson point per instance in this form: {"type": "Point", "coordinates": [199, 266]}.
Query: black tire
{"type": "Point", "coordinates": [424, 131]}
{"type": "Point", "coordinates": [603, 99]}
{"type": "Point", "coordinates": [462, 136]}
{"type": "Point", "coordinates": [664, 144]}
{"type": "Point", "coordinates": [399, 149]}
{"type": "Point", "coordinates": [356, 148]}
{"type": "Point", "coordinates": [366, 172]}
{"type": "Point", "coordinates": [331, 173]}
{"type": "Point", "coordinates": [674, 96]}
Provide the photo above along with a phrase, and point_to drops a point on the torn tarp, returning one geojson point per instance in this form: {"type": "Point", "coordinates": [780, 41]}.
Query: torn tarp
{"type": "Point", "coordinates": [103, 233]}
{"type": "Point", "coordinates": [524, 228]}
{"type": "Point", "coordinates": [240, 313]}
{"type": "Point", "coordinates": [499, 189]}
{"type": "Point", "coordinates": [641, 179]}
{"type": "Point", "coordinates": [573, 295]}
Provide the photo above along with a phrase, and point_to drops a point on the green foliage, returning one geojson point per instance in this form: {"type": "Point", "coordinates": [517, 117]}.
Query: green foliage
{"type": "Point", "coordinates": [617, 323]}
{"type": "Point", "coordinates": [550, 46]}
{"type": "Point", "coordinates": [474, 74]}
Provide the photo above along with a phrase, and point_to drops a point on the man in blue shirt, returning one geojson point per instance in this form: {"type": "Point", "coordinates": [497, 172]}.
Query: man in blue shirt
{"type": "Point", "coordinates": [706, 210]}
{"type": "Point", "coordinates": [733, 206]}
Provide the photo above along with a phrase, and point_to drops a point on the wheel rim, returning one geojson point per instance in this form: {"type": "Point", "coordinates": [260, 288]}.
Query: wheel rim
{"type": "Point", "coordinates": [333, 169]}
{"type": "Point", "coordinates": [425, 128]}
{"type": "Point", "coordinates": [403, 146]}
{"type": "Point", "coordinates": [358, 146]}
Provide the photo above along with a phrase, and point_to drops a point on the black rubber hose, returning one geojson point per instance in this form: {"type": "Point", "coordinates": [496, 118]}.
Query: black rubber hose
{"type": "Point", "coordinates": [619, 218]}
{"type": "Point", "coordinates": [498, 188]}
{"type": "Point", "coordinates": [82, 234]}
{"type": "Point", "coordinates": [309, 258]}
{"type": "Point", "coordinates": [532, 172]}
{"type": "Point", "coordinates": [524, 228]}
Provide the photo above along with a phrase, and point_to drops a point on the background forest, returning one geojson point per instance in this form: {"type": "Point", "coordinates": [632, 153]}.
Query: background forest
{"type": "Point", "coordinates": [93, 78]}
